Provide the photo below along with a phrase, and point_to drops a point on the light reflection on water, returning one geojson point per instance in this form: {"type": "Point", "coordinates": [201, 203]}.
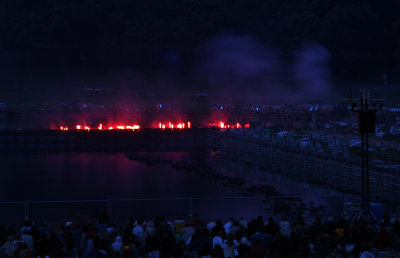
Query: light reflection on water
{"type": "Point", "coordinates": [80, 176]}
{"type": "Point", "coordinates": [77, 176]}
{"type": "Point", "coordinates": [60, 176]}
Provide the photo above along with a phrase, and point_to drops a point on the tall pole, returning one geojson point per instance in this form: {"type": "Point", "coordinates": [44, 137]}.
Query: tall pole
{"type": "Point", "coordinates": [366, 118]}
{"type": "Point", "coordinates": [366, 125]}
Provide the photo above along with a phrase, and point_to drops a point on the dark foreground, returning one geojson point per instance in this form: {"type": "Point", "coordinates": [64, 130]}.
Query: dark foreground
{"type": "Point", "coordinates": [161, 237]}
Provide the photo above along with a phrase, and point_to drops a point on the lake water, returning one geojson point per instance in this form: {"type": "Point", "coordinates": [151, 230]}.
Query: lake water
{"type": "Point", "coordinates": [87, 180]}
{"type": "Point", "coordinates": [99, 176]}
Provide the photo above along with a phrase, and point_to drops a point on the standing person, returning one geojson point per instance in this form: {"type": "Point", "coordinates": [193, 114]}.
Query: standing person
{"type": "Point", "coordinates": [138, 231]}
{"type": "Point", "coordinates": [116, 246]}
{"type": "Point", "coordinates": [284, 227]}
{"type": "Point", "coordinates": [7, 249]}
{"type": "Point", "coordinates": [229, 246]}
{"type": "Point", "coordinates": [89, 250]}
{"type": "Point", "coordinates": [28, 239]}
{"type": "Point", "coordinates": [272, 227]}
{"type": "Point", "coordinates": [26, 227]}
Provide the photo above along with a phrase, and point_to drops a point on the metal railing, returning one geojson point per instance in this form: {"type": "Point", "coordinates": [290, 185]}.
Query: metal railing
{"type": "Point", "coordinates": [211, 207]}
{"type": "Point", "coordinates": [121, 209]}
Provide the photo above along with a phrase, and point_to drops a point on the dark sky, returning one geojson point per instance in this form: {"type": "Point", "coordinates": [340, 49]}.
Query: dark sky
{"type": "Point", "coordinates": [197, 45]}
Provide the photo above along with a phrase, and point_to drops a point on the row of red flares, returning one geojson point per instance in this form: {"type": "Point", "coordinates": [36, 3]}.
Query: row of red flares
{"type": "Point", "coordinates": [223, 125]}
{"type": "Point", "coordinates": [169, 125]}
{"type": "Point", "coordinates": [101, 127]}
{"type": "Point", "coordinates": [133, 127]}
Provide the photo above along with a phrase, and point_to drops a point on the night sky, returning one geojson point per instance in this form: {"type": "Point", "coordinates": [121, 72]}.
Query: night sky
{"type": "Point", "coordinates": [191, 46]}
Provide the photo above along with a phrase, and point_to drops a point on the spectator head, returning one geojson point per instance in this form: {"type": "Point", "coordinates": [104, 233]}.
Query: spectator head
{"type": "Point", "coordinates": [220, 233]}
{"type": "Point", "coordinates": [218, 251]}
{"type": "Point", "coordinates": [229, 240]}
{"type": "Point", "coordinates": [139, 221]}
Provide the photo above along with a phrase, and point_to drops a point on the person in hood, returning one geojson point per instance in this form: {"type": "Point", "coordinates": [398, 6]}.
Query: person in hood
{"type": "Point", "coordinates": [116, 246]}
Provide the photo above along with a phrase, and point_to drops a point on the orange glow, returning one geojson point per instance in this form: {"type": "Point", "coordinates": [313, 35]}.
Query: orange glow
{"type": "Point", "coordinates": [171, 125]}
{"type": "Point", "coordinates": [133, 127]}
{"type": "Point", "coordinates": [121, 126]}
{"type": "Point", "coordinates": [223, 125]}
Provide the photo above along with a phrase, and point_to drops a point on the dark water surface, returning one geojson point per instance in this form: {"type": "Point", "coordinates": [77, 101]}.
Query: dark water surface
{"type": "Point", "coordinates": [69, 176]}
{"type": "Point", "coordinates": [99, 176]}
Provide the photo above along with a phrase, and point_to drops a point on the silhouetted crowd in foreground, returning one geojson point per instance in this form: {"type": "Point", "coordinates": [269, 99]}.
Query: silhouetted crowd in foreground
{"type": "Point", "coordinates": [160, 237]}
